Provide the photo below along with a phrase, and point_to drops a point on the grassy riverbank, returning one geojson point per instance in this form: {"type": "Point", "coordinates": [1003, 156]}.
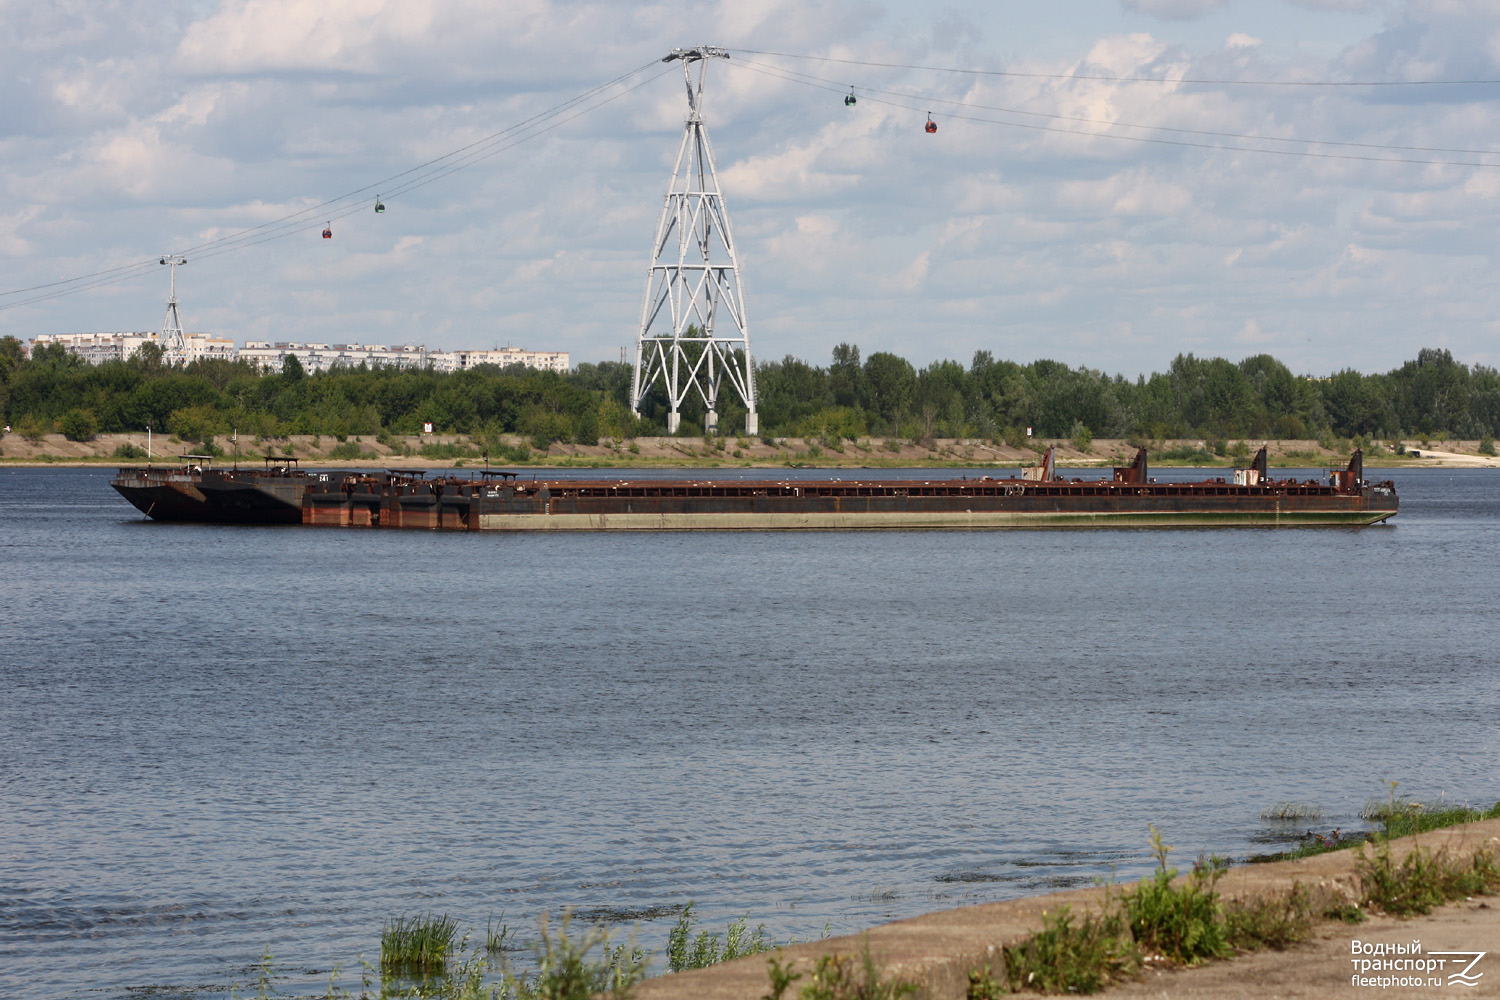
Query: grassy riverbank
{"type": "Point", "coordinates": [1418, 858]}
{"type": "Point", "coordinates": [1283, 928]}
{"type": "Point", "coordinates": [509, 451]}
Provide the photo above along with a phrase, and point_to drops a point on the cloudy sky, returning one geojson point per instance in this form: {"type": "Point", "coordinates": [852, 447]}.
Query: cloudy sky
{"type": "Point", "coordinates": [1331, 226]}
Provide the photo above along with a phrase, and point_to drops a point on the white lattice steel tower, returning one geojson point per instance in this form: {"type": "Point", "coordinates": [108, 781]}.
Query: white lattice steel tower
{"type": "Point", "coordinates": [173, 341]}
{"type": "Point", "coordinates": [694, 335]}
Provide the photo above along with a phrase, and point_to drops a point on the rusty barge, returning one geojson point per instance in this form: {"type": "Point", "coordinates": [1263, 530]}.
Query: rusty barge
{"type": "Point", "coordinates": [501, 501]}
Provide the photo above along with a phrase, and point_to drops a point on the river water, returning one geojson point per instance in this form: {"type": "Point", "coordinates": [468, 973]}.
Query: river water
{"type": "Point", "coordinates": [217, 741]}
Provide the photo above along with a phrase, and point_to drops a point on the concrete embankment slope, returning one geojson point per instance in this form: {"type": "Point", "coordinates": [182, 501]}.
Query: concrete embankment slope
{"type": "Point", "coordinates": [938, 950]}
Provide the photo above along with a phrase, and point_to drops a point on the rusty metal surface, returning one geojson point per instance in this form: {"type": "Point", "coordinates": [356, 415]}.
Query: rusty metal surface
{"type": "Point", "coordinates": [454, 503]}
{"type": "Point", "coordinates": [1137, 473]}
{"type": "Point", "coordinates": [407, 498]}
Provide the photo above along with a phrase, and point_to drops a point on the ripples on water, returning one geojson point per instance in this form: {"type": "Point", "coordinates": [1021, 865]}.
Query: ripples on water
{"type": "Point", "coordinates": [221, 740]}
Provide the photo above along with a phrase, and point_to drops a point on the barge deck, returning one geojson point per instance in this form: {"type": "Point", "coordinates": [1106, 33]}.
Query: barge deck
{"type": "Point", "coordinates": [501, 501]}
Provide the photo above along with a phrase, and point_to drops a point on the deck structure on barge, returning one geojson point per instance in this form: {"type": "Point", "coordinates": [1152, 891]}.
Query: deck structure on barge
{"type": "Point", "coordinates": [501, 501]}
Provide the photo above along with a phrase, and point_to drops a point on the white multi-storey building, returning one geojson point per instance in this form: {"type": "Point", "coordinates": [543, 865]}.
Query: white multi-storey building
{"type": "Point", "coordinates": [322, 357]}
{"type": "Point", "coordinates": [458, 361]}
{"type": "Point", "coordinates": [97, 348]}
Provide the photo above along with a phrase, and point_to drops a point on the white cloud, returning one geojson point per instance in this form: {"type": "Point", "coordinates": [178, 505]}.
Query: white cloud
{"type": "Point", "coordinates": [1173, 10]}
{"type": "Point", "coordinates": [256, 36]}
{"type": "Point", "coordinates": [123, 134]}
{"type": "Point", "coordinates": [793, 173]}
{"type": "Point", "coordinates": [92, 90]}
{"type": "Point", "coordinates": [1340, 6]}
{"type": "Point", "coordinates": [1251, 335]}
{"type": "Point", "coordinates": [11, 244]}
{"type": "Point", "coordinates": [913, 276]}
{"type": "Point", "coordinates": [1131, 193]}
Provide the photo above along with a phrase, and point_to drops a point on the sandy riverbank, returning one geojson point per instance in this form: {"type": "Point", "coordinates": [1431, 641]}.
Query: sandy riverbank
{"type": "Point", "coordinates": [448, 451]}
{"type": "Point", "coordinates": [938, 950]}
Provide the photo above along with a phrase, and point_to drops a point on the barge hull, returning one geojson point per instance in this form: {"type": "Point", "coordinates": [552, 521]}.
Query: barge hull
{"type": "Point", "coordinates": [268, 502]}
{"type": "Point", "coordinates": [499, 501]}
{"type": "Point", "coordinates": [164, 500]}
{"type": "Point", "coordinates": [914, 520]}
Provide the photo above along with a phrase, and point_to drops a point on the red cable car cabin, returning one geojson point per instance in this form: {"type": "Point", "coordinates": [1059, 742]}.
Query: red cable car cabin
{"type": "Point", "coordinates": [931, 125]}
{"type": "Point", "coordinates": [328, 231]}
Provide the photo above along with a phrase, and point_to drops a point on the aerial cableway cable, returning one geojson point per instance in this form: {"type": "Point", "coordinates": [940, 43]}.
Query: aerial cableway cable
{"type": "Point", "coordinates": [560, 114]}
{"type": "Point", "coordinates": [423, 180]}
{"type": "Point", "coordinates": [1129, 79]}
{"type": "Point", "coordinates": [921, 104]}
{"type": "Point", "coordinates": [826, 83]}
{"type": "Point", "coordinates": [358, 199]}
{"type": "Point", "coordinates": [430, 171]}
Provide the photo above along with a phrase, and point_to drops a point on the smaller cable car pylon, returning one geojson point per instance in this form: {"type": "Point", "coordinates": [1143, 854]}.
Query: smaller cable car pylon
{"type": "Point", "coordinates": [173, 341]}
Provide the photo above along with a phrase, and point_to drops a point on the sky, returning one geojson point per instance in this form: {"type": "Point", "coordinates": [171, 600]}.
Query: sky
{"type": "Point", "coordinates": [1330, 226]}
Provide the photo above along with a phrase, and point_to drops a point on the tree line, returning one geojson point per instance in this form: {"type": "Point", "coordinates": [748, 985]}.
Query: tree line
{"type": "Point", "coordinates": [882, 395]}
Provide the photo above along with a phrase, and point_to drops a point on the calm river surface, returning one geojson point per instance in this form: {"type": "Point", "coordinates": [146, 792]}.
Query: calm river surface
{"type": "Point", "coordinates": [217, 740]}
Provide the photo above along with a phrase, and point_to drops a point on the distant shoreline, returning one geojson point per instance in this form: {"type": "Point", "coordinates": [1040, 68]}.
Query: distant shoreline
{"type": "Point", "coordinates": [448, 451]}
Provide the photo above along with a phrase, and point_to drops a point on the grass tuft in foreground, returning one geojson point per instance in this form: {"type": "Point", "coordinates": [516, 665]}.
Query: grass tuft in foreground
{"type": "Point", "coordinates": [497, 934]}
{"type": "Point", "coordinates": [417, 946]}
{"type": "Point", "coordinates": [837, 977]}
{"type": "Point", "coordinates": [1274, 922]}
{"type": "Point", "coordinates": [1423, 879]}
{"type": "Point", "coordinates": [688, 951]}
{"type": "Point", "coordinates": [567, 967]}
{"type": "Point", "coordinates": [1184, 924]}
{"type": "Point", "coordinates": [1067, 957]}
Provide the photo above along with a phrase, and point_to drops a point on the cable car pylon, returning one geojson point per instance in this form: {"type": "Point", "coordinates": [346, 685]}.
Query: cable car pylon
{"type": "Point", "coordinates": [693, 334]}
{"type": "Point", "coordinates": [173, 341]}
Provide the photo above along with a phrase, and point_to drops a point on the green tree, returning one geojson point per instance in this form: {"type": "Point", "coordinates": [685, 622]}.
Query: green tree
{"type": "Point", "coordinates": [940, 397]}
{"type": "Point", "coordinates": [148, 357]}
{"type": "Point", "coordinates": [845, 377]}
{"type": "Point", "coordinates": [1213, 395]}
{"type": "Point", "coordinates": [889, 382]}
{"type": "Point", "coordinates": [1436, 392]}
{"type": "Point", "coordinates": [11, 356]}
{"type": "Point", "coordinates": [1277, 394]}
{"type": "Point", "coordinates": [1355, 404]}
{"type": "Point", "coordinates": [79, 425]}
{"type": "Point", "coordinates": [791, 390]}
